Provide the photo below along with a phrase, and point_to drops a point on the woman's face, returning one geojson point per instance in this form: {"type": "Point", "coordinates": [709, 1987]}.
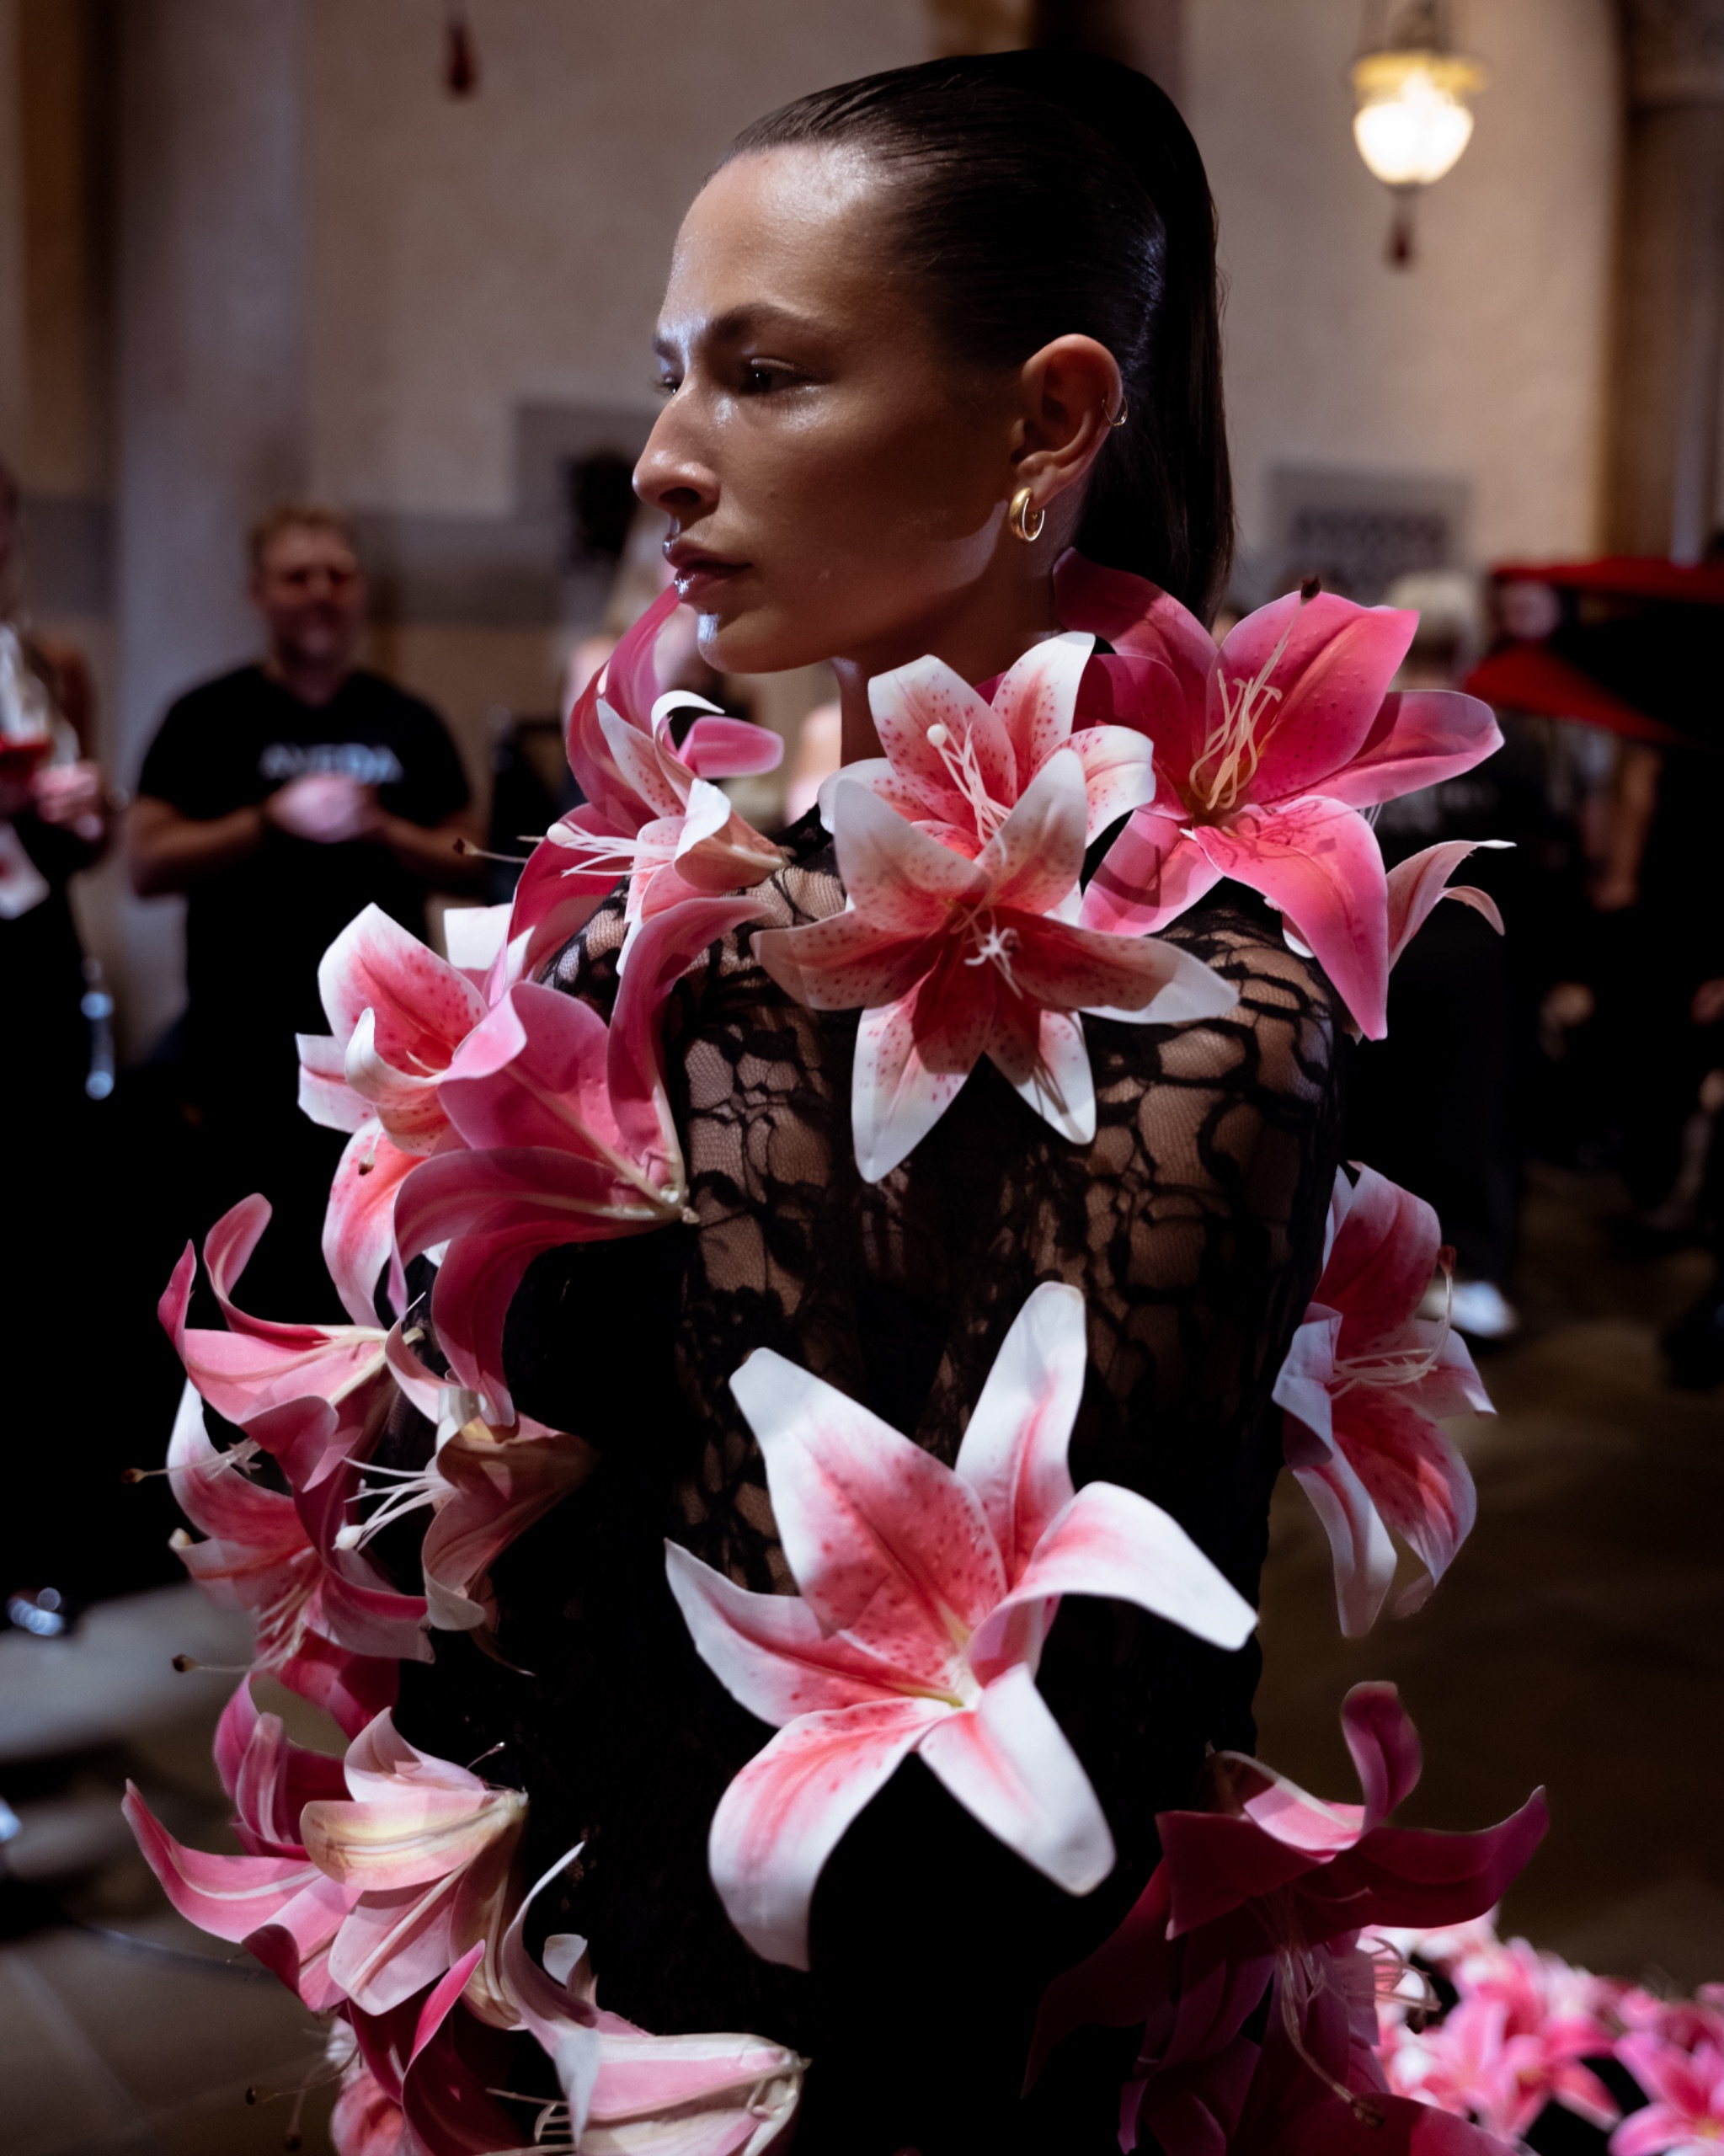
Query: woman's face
{"type": "Point", "coordinates": [835, 482]}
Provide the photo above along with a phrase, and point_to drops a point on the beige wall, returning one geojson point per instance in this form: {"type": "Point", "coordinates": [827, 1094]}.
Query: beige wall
{"type": "Point", "coordinates": [1485, 362]}
{"type": "Point", "coordinates": [470, 254]}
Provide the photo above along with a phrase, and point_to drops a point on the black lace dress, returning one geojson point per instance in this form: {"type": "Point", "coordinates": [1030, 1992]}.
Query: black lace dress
{"type": "Point", "coordinates": [1193, 1225]}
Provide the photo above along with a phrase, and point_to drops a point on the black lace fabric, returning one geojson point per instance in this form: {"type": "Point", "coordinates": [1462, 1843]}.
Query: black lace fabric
{"type": "Point", "coordinates": [1194, 1226]}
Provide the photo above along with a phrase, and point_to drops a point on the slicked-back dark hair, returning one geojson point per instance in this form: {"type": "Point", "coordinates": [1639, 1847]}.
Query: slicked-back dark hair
{"type": "Point", "coordinates": [1046, 194]}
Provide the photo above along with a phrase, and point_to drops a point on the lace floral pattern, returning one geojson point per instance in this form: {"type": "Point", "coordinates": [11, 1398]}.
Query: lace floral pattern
{"type": "Point", "coordinates": [1193, 1226]}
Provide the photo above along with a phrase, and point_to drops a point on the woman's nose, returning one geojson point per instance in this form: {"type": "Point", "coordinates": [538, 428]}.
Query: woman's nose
{"type": "Point", "coordinates": [672, 474]}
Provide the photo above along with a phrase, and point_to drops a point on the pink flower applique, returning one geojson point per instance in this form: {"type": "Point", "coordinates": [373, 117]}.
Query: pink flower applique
{"type": "Point", "coordinates": [1363, 1385]}
{"type": "Point", "coordinates": [279, 1556]}
{"type": "Point", "coordinates": [625, 2090]}
{"type": "Point", "coordinates": [571, 1138]}
{"type": "Point", "coordinates": [959, 760]}
{"type": "Point", "coordinates": [1686, 2113]}
{"type": "Point", "coordinates": [313, 1395]}
{"type": "Point", "coordinates": [1271, 1886]}
{"type": "Point", "coordinates": [1266, 752]}
{"type": "Point", "coordinates": [952, 958]}
{"type": "Point", "coordinates": [484, 1486]}
{"type": "Point", "coordinates": [273, 1900]}
{"type": "Point", "coordinates": [432, 1852]}
{"type": "Point", "coordinates": [652, 811]}
{"type": "Point", "coordinates": [926, 1593]}
{"type": "Point", "coordinates": [397, 1013]}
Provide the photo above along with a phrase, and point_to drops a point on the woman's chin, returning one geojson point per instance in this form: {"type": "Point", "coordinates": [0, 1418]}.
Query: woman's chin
{"type": "Point", "coordinates": [757, 640]}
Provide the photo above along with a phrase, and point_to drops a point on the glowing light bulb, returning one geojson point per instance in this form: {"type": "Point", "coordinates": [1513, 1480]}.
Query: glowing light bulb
{"type": "Point", "coordinates": [1412, 121]}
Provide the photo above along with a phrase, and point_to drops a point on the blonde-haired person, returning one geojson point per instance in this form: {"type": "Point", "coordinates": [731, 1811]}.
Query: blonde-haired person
{"type": "Point", "coordinates": [282, 798]}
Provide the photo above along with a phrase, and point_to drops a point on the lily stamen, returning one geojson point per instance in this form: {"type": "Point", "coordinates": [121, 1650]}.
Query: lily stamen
{"type": "Point", "coordinates": [1224, 766]}
{"type": "Point", "coordinates": [965, 773]}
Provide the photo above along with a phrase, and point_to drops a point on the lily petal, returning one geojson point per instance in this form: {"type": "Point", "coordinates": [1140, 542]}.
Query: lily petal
{"type": "Point", "coordinates": [1009, 1763]}
{"type": "Point", "coordinates": [788, 1809]}
{"type": "Point", "coordinates": [884, 1541]}
{"type": "Point", "coordinates": [1110, 1541]}
{"type": "Point", "coordinates": [1013, 1453]}
{"type": "Point", "coordinates": [1318, 861]}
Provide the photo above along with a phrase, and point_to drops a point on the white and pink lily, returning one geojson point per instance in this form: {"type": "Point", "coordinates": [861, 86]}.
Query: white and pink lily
{"type": "Point", "coordinates": [1267, 750]}
{"type": "Point", "coordinates": [273, 1901]}
{"type": "Point", "coordinates": [627, 2093]}
{"type": "Point", "coordinates": [397, 1013]}
{"type": "Point", "coordinates": [279, 1556]}
{"type": "Point", "coordinates": [429, 1852]}
{"type": "Point", "coordinates": [953, 959]}
{"type": "Point", "coordinates": [571, 1139]}
{"type": "Point", "coordinates": [652, 813]}
{"type": "Point", "coordinates": [959, 760]}
{"type": "Point", "coordinates": [313, 1395]}
{"type": "Point", "coordinates": [1363, 1385]}
{"type": "Point", "coordinates": [926, 1595]}
{"type": "Point", "coordinates": [484, 1486]}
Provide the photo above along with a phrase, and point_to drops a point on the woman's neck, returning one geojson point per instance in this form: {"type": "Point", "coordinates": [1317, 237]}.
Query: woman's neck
{"type": "Point", "coordinates": [988, 631]}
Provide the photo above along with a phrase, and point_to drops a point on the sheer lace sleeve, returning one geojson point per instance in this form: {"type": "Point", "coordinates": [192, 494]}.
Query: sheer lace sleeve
{"type": "Point", "coordinates": [1193, 1224]}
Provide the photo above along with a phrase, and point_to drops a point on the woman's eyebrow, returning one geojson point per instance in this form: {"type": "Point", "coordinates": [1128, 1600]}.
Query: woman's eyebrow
{"type": "Point", "coordinates": [736, 323]}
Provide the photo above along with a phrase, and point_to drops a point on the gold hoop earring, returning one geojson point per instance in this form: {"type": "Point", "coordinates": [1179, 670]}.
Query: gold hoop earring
{"type": "Point", "coordinates": [1018, 517]}
{"type": "Point", "coordinates": [1120, 421]}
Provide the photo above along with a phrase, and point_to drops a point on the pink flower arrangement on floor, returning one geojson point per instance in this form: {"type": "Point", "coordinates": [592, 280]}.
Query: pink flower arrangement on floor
{"type": "Point", "coordinates": [1526, 2030]}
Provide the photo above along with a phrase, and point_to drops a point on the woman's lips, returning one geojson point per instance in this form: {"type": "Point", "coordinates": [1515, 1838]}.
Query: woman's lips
{"type": "Point", "coordinates": [697, 576]}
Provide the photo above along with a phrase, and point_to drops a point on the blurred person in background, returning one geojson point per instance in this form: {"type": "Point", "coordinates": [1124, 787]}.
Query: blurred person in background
{"type": "Point", "coordinates": [1433, 1107]}
{"type": "Point", "coordinates": [284, 798]}
{"type": "Point", "coordinates": [1662, 1004]}
{"type": "Point", "coordinates": [53, 824]}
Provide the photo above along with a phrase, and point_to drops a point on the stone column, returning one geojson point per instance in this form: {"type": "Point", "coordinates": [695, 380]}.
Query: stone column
{"type": "Point", "coordinates": [210, 364]}
{"type": "Point", "coordinates": [1670, 283]}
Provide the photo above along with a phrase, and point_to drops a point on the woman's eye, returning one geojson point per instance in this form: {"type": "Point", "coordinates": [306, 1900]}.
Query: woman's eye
{"type": "Point", "coordinates": [666, 386]}
{"type": "Point", "coordinates": [758, 380]}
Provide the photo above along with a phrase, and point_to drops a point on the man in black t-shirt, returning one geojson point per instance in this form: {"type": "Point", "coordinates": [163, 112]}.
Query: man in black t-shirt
{"type": "Point", "coordinates": [282, 799]}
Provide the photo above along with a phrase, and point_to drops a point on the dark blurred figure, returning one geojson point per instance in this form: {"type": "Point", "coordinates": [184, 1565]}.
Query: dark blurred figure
{"type": "Point", "coordinates": [53, 824]}
{"type": "Point", "coordinates": [284, 798]}
{"type": "Point", "coordinates": [1662, 1011]}
{"type": "Point", "coordinates": [1434, 1105]}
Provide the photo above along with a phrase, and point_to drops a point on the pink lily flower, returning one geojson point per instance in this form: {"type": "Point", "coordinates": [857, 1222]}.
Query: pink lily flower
{"type": "Point", "coordinates": [397, 1013]}
{"type": "Point", "coordinates": [571, 1136]}
{"type": "Point", "coordinates": [313, 1395]}
{"type": "Point", "coordinates": [1266, 752]}
{"type": "Point", "coordinates": [429, 2060]}
{"type": "Point", "coordinates": [953, 959]}
{"type": "Point", "coordinates": [430, 1853]}
{"type": "Point", "coordinates": [652, 813]}
{"type": "Point", "coordinates": [927, 1594]}
{"type": "Point", "coordinates": [1261, 1890]}
{"type": "Point", "coordinates": [1416, 884]}
{"type": "Point", "coordinates": [626, 2093]}
{"type": "Point", "coordinates": [485, 1486]}
{"type": "Point", "coordinates": [273, 1901]}
{"type": "Point", "coordinates": [1364, 1383]}
{"type": "Point", "coordinates": [279, 1557]}
{"type": "Point", "coordinates": [959, 760]}
{"type": "Point", "coordinates": [366, 2120]}
{"type": "Point", "coordinates": [1687, 2089]}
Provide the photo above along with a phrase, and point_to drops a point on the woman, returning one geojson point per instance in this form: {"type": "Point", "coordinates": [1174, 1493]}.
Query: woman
{"type": "Point", "coordinates": [922, 333]}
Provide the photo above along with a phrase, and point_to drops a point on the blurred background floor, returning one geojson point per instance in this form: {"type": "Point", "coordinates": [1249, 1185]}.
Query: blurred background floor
{"type": "Point", "coordinates": [1577, 1642]}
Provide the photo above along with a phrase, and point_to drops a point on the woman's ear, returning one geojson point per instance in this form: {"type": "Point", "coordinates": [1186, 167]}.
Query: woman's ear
{"type": "Point", "coordinates": [1072, 394]}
